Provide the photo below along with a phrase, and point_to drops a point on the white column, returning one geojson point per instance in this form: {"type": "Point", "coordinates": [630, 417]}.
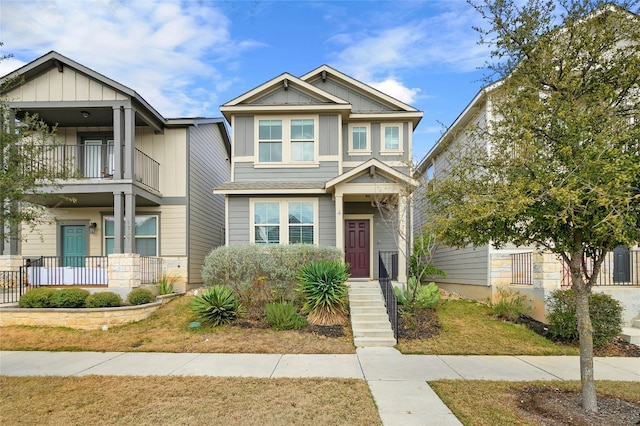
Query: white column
{"type": "Point", "coordinates": [339, 222]}
{"type": "Point", "coordinates": [403, 242]}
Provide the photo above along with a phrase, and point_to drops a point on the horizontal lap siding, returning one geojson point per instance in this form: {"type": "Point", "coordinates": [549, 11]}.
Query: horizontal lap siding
{"type": "Point", "coordinates": [238, 220]}
{"type": "Point", "coordinates": [245, 172]}
{"type": "Point", "coordinates": [326, 221]}
{"type": "Point", "coordinates": [208, 168]}
{"type": "Point", "coordinates": [463, 266]}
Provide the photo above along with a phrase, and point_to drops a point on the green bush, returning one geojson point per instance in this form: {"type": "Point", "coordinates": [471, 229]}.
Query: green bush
{"type": "Point", "coordinates": [414, 296]}
{"type": "Point", "coordinates": [70, 298]}
{"type": "Point", "coordinates": [605, 313]}
{"type": "Point", "coordinates": [140, 296]}
{"type": "Point", "coordinates": [217, 305]}
{"type": "Point", "coordinates": [283, 316]}
{"type": "Point", "coordinates": [511, 305]}
{"type": "Point", "coordinates": [262, 273]}
{"type": "Point", "coordinates": [41, 297]}
{"type": "Point", "coordinates": [323, 287]}
{"type": "Point", "coordinates": [103, 299]}
{"type": "Point", "coordinates": [165, 286]}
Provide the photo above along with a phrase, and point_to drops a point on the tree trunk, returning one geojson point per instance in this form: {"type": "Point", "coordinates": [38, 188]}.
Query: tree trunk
{"type": "Point", "coordinates": [585, 333]}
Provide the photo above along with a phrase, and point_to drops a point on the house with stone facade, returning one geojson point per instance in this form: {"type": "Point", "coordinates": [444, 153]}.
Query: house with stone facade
{"type": "Point", "coordinates": [321, 159]}
{"type": "Point", "coordinates": [140, 202]}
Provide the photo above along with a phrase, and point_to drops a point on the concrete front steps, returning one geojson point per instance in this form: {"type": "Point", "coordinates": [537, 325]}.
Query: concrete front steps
{"type": "Point", "coordinates": [369, 319]}
{"type": "Point", "coordinates": [632, 334]}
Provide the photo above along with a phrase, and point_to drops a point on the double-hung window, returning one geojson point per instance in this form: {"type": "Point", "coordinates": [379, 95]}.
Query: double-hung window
{"type": "Point", "coordinates": [284, 222]}
{"type": "Point", "coordinates": [287, 141]}
{"type": "Point", "coordinates": [270, 141]}
{"type": "Point", "coordinates": [146, 235]}
{"type": "Point", "coordinates": [391, 137]}
{"type": "Point", "coordinates": [359, 139]}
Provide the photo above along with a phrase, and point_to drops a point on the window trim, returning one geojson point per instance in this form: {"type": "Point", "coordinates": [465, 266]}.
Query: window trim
{"type": "Point", "coordinates": [400, 149]}
{"type": "Point", "coordinates": [111, 215]}
{"type": "Point", "coordinates": [286, 141]}
{"type": "Point", "coordinates": [283, 204]}
{"type": "Point", "coordinates": [353, 151]}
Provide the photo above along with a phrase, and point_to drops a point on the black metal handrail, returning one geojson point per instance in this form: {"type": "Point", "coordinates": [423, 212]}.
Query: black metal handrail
{"type": "Point", "coordinates": [390, 300]}
{"type": "Point", "coordinates": [146, 170]}
{"type": "Point", "coordinates": [522, 268]}
{"type": "Point", "coordinates": [390, 260]}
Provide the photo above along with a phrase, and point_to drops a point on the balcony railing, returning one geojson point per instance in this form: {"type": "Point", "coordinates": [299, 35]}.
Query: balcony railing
{"type": "Point", "coordinates": [67, 270]}
{"type": "Point", "coordinates": [92, 162]}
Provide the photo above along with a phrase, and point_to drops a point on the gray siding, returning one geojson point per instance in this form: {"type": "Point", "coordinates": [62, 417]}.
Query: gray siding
{"type": "Point", "coordinates": [360, 101]}
{"type": "Point", "coordinates": [289, 96]}
{"type": "Point", "coordinates": [243, 136]}
{"type": "Point", "coordinates": [208, 167]}
{"type": "Point", "coordinates": [238, 220]}
{"type": "Point", "coordinates": [328, 133]}
{"type": "Point", "coordinates": [463, 266]}
{"type": "Point", "coordinates": [326, 221]}
{"type": "Point", "coordinates": [376, 145]}
{"type": "Point", "coordinates": [245, 172]}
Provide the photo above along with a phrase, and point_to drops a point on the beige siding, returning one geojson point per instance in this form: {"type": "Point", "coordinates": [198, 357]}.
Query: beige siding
{"type": "Point", "coordinates": [173, 229]}
{"type": "Point", "coordinates": [69, 85]}
{"type": "Point", "coordinates": [170, 150]}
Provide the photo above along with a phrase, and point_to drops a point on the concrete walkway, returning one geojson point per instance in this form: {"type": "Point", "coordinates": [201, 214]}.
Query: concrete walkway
{"type": "Point", "coordinates": [397, 382]}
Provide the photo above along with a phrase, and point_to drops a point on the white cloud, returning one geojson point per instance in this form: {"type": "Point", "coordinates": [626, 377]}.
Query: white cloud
{"type": "Point", "coordinates": [394, 88]}
{"type": "Point", "coordinates": [161, 49]}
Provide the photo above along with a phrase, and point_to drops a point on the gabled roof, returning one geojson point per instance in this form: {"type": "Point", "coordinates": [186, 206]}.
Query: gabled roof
{"type": "Point", "coordinates": [372, 166]}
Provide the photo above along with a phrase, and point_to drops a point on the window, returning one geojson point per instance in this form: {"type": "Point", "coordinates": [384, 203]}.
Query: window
{"type": "Point", "coordinates": [266, 219]}
{"type": "Point", "coordinates": [391, 138]}
{"type": "Point", "coordinates": [270, 141]}
{"type": "Point", "coordinates": [146, 234]}
{"type": "Point", "coordinates": [97, 157]}
{"type": "Point", "coordinates": [287, 141]}
{"type": "Point", "coordinates": [284, 222]}
{"type": "Point", "coordinates": [359, 139]}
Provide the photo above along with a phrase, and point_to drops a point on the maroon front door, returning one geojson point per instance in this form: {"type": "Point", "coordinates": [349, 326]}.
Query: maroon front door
{"type": "Point", "coordinates": [356, 250]}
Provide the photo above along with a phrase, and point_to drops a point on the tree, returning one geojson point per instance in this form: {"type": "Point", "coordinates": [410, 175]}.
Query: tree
{"type": "Point", "coordinates": [30, 165]}
{"type": "Point", "coordinates": [556, 162]}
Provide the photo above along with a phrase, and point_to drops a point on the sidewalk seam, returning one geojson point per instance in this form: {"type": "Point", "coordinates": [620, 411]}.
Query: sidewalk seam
{"type": "Point", "coordinates": [119, 354]}
{"type": "Point", "coordinates": [275, 367]}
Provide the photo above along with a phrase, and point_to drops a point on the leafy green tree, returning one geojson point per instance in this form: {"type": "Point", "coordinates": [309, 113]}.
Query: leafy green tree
{"type": "Point", "coordinates": [28, 166]}
{"type": "Point", "coordinates": [555, 162]}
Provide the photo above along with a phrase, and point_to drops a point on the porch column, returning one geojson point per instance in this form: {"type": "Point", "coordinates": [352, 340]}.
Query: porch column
{"type": "Point", "coordinates": [118, 137]}
{"type": "Point", "coordinates": [10, 239]}
{"type": "Point", "coordinates": [403, 242]}
{"type": "Point", "coordinates": [339, 222]}
{"type": "Point", "coordinates": [118, 218]}
{"type": "Point", "coordinates": [129, 223]}
{"type": "Point", "coordinates": [129, 141]}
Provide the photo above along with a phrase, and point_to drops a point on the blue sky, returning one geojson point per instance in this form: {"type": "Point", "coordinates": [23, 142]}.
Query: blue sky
{"type": "Point", "coordinates": [186, 58]}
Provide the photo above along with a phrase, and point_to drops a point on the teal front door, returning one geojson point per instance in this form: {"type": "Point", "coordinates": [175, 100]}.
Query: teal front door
{"type": "Point", "coordinates": [74, 245]}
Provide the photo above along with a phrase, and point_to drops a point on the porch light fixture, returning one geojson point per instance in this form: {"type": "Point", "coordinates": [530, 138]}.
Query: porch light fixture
{"type": "Point", "coordinates": [92, 227]}
{"type": "Point", "coordinates": [85, 114]}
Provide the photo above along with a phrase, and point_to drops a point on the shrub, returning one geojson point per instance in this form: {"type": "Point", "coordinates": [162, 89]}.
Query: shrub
{"type": "Point", "coordinates": [140, 296]}
{"type": "Point", "coordinates": [322, 286]}
{"type": "Point", "coordinates": [217, 305]}
{"type": "Point", "coordinates": [414, 296]}
{"type": "Point", "coordinates": [283, 316]}
{"type": "Point", "coordinates": [70, 298]}
{"type": "Point", "coordinates": [258, 273]}
{"type": "Point", "coordinates": [165, 286]}
{"type": "Point", "coordinates": [605, 313]}
{"type": "Point", "coordinates": [41, 297]}
{"type": "Point", "coordinates": [511, 305]}
{"type": "Point", "coordinates": [103, 299]}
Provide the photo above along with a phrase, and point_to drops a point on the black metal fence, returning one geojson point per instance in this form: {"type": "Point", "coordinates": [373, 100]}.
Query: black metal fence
{"type": "Point", "coordinates": [390, 299]}
{"type": "Point", "coordinates": [13, 284]}
{"type": "Point", "coordinates": [150, 269]}
{"type": "Point", "coordinates": [66, 270]}
{"type": "Point", "coordinates": [620, 267]}
{"type": "Point", "coordinates": [390, 260]}
{"type": "Point", "coordinates": [522, 268]}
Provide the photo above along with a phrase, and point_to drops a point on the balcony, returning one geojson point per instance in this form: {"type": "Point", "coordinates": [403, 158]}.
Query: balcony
{"type": "Point", "coordinates": [94, 162]}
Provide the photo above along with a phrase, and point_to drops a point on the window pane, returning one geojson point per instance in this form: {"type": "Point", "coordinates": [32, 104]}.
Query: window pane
{"type": "Point", "coordinates": [146, 246]}
{"type": "Point", "coordinates": [108, 245]}
{"type": "Point", "coordinates": [359, 136]}
{"type": "Point", "coordinates": [302, 129]}
{"type": "Point", "coordinates": [109, 226]}
{"type": "Point", "coordinates": [301, 151]}
{"type": "Point", "coordinates": [270, 130]}
{"type": "Point", "coordinates": [267, 235]}
{"type": "Point", "coordinates": [300, 234]}
{"type": "Point", "coordinates": [270, 152]}
{"type": "Point", "coordinates": [266, 213]}
{"type": "Point", "coordinates": [146, 225]}
{"type": "Point", "coordinates": [391, 137]}
{"type": "Point", "coordinates": [301, 213]}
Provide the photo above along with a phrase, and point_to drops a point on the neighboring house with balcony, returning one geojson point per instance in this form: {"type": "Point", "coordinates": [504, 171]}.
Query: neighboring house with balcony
{"type": "Point", "coordinates": [143, 182]}
{"type": "Point", "coordinates": [321, 159]}
{"type": "Point", "coordinates": [479, 272]}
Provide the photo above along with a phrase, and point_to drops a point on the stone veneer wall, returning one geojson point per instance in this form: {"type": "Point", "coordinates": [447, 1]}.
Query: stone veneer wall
{"type": "Point", "coordinates": [80, 318]}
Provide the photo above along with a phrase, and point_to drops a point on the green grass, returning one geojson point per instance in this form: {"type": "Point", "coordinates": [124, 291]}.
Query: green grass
{"type": "Point", "coordinates": [468, 328]}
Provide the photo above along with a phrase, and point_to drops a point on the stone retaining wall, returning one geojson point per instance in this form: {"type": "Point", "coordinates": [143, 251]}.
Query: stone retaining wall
{"type": "Point", "coordinates": [80, 318]}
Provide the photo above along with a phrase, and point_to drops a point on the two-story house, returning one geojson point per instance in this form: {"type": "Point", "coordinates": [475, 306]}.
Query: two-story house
{"type": "Point", "coordinates": [322, 159]}
{"type": "Point", "coordinates": [143, 182]}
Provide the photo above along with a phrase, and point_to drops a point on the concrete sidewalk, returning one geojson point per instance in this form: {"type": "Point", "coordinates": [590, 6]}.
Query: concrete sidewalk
{"type": "Point", "coordinates": [397, 382]}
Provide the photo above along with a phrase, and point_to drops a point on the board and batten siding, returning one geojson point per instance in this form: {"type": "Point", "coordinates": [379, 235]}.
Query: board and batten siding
{"type": "Point", "coordinates": [360, 103]}
{"type": "Point", "coordinates": [170, 150]}
{"type": "Point", "coordinates": [243, 136]}
{"type": "Point", "coordinates": [208, 168]}
{"type": "Point", "coordinates": [375, 139]}
{"type": "Point", "coordinates": [69, 85]}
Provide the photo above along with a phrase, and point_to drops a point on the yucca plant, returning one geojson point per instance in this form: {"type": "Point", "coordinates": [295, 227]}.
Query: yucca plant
{"type": "Point", "coordinates": [217, 305]}
{"type": "Point", "coordinates": [165, 286]}
{"type": "Point", "coordinates": [283, 316]}
{"type": "Point", "coordinates": [323, 288]}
